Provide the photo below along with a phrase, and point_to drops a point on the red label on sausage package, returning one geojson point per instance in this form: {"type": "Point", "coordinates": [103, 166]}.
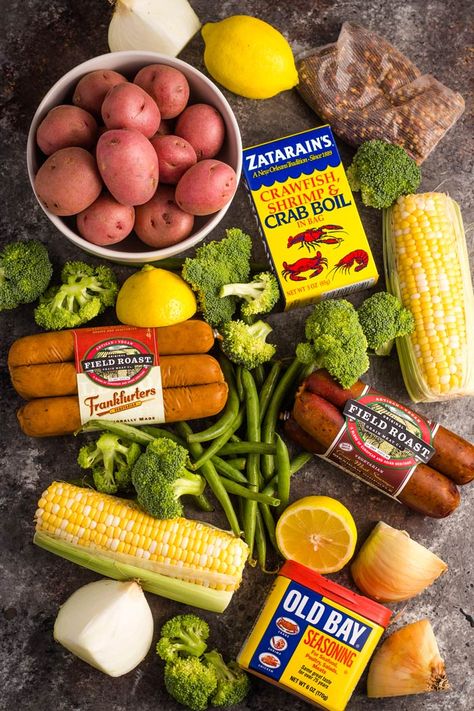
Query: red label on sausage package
{"type": "Point", "coordinates": [382, 441]}
{"type": "Point", "coordinates": [118, 374]}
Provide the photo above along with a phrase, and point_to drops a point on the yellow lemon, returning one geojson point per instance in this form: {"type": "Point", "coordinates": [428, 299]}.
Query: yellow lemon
{"type": "Point", "coordinates": [249, 57]}
{"type": "Point", "coordinates": [318, 532]}
{"type": "Point", "coordinates": [155, 297]}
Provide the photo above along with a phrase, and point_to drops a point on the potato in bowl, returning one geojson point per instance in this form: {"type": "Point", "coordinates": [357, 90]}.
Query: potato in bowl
{"type": "Point", "coordinates": [84, 88]}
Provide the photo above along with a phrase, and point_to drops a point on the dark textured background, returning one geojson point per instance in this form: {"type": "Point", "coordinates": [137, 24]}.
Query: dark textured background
{"type": "Point", "coordinates": [40, 42]}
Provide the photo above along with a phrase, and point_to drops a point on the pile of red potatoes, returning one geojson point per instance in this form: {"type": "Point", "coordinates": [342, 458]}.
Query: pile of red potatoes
{"type": "Point", "coordinates": [133, 156]}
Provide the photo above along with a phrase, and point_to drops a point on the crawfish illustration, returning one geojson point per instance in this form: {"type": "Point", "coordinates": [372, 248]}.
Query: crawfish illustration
{"type": "Point", "coordinates": [313, 237]}
{"type": "Point", "coordinates": [358, 256]}
{"type": "Point", "coordinates": [316, 263]}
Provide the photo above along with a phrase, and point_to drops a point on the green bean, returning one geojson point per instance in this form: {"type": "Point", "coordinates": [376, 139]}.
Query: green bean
{"type": "Point", "coordinates": [260, 541]}
{"type": "Point", "coordinates": [212, 478]}
{"type": "Point", "coordinates": [158, 433]}
{"type": "Point", "coordinates": [283, 473]}
{"type": "Point", "coordinates": [203, 502]}
{"type": "Point", "coordinates": [299, 461]}
{"type": "Point", "coordinates": [133, 434]}
{"type": "Point", "coordinates": [246, 448]}
{"type": "Point", "coordinates": [217, 444]}
{"type": "Point", "coordinates": [268, 387]}
{"type": "Point", "coordinates": [247, 493]}
{"type": "Point", "coordinates": [239, 463]}
{"type": "Point", "coordinates": [230, 411]}
{"type": "Point", "coordinates": [238, 383]}
{"type": "Point", "coordinates": [271, 416]}
{"type": "Point", "coordinates": [235, 438]}
{"type": "Point", "coordinates": [269, 522]}
{"type": "Point", "coordinates": [228, 470]}
{"type": "Point", "coordinates": [295, 466]}
{"type": "Point", "coordinates": [259, 375]}
{"type": "Point", "coordinates": [253, 435]}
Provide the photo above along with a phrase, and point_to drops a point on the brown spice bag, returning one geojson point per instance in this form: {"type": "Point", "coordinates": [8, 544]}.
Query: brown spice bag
{"type": "Point", "coordinates": [366, 89]}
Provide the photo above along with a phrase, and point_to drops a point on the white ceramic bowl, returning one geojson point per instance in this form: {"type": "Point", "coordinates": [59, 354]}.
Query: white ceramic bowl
{"type": "Point", "coordinates": [131, 250]}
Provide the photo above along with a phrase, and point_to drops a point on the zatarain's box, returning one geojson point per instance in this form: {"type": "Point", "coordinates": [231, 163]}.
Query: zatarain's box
{"type": "Point", "coordinates": [308, 219]}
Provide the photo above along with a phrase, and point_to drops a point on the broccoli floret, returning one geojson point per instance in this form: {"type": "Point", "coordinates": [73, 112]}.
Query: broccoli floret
{"type": "Point", "coordinates": [233, 684]}
{"type": "Point", "coordinates": [260, 295]}
{"type": "Point", "coordinates": [382, 172]}
{"type": "Point", "coordinates": [383, 318]}
{"type": "Point", "coordinates": [111, 460]}
{"type": "Point", "coordinates": [245, 344]}
{"type": "Point", "coordinates": [160, 478]}
{"type": "Point", "coordinates": [217, 264]}
{"type": "Point", "coordinates": [336, 341]}
{"type": "Point", "coordinates": [190, 682]}
{"type": "Point", "coordinates": [25, 272]}
{"type": "Point", "coordinates": [85, 292]}
{"type": "Point", "coordinates": [184, 635]}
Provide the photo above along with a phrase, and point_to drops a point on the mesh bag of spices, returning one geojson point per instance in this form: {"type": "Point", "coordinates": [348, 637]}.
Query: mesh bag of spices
{"type": "Point", "coordinates": [366, 89]}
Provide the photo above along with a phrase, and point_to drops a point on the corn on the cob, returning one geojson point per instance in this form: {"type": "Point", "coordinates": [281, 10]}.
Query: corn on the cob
{"type": "Point", "coordinates": [183, 559]}
{"type": "Point", "coordinates": [427, 268]}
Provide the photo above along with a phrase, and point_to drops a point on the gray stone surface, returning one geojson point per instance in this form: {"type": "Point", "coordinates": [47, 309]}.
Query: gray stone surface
{"type": "Point", "coordinates": [41, 41]}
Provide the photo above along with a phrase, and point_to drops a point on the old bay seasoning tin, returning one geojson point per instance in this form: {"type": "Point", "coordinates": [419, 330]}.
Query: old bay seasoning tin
{"type": "Point", "coordinates": [313, 637]}
{"type": "Point", "coordinates": [311, 229]}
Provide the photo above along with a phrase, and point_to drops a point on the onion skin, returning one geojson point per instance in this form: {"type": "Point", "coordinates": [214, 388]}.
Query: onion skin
{"type": "Point", "coordinates": [391, 566]}
{"type": "Point", "coordinates": [407, 662]}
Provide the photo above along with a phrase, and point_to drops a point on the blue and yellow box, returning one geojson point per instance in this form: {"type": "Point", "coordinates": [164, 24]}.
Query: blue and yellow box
{"type": "Point", "coordinates": [308, 218]}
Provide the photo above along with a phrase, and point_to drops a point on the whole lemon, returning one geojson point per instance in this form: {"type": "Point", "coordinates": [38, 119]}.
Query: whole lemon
{"type": "Point", "coordinates": [249, 57]}
{"type": "Point", "coordinates": [154, 297]}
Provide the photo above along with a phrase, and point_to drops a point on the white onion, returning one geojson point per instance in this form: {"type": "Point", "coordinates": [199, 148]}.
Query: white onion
{"type": "Point", "coordinates": [107, 624]}
{"type": "Point", "coordinates": [154, 25]}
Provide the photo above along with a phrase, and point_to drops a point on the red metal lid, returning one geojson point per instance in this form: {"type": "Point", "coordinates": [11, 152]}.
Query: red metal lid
{"type": "Point", "coordinates": [338, 593]}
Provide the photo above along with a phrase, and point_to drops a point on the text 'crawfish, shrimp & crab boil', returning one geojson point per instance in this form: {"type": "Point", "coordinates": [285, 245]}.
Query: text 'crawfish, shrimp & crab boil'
{"type": "Point", "coordinates": [295, 182]}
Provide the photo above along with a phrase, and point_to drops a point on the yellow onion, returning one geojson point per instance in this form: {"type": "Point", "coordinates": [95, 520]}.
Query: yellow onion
{"type": "Point", "coordinates": [407, 662]}
{"type": "Point", "coordinates": [391, 566]}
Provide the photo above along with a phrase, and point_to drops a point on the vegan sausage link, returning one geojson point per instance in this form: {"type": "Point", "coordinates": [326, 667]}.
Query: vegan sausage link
{"type": "Point", "coordinates": [58, 379]}
{"type": "Point", "coordinates": [453, 457]}
{"type": "Point", "coordinates": [53, 416]}
{"type": "Point", "coordinates": [427, 491]}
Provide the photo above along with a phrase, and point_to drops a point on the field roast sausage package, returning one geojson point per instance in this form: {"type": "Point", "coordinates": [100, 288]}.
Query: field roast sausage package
{"type": "Point", "coordinates": [120, 373]}
{"type": "Point", "coordinates": [382, 442]}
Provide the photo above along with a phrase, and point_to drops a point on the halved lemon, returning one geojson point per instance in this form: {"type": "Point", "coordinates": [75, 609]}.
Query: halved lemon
{"type": "Point", "coordinates": [317, 531]}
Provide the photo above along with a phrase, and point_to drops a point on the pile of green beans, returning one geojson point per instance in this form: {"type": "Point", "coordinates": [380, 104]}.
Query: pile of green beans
{"type": "Point", "coordinates": [242, 450]}
{"type": "Point", "coordinates": [241, 456]}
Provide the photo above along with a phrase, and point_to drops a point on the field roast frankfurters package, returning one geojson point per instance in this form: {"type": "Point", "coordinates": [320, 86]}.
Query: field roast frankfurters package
{"type": "Point", "coordinates": [119, 375]}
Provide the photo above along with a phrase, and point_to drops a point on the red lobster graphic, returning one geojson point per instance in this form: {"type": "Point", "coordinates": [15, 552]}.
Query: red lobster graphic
{"type": "Point", "coordinates": [318, 262]}
{"type": "Point", "coordinates": [358, 256]}
{"type": "Point", "coordinates": [312, 237]}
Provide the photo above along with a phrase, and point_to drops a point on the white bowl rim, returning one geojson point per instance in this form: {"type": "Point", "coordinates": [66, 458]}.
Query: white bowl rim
{"type": "Point", "coordinates": [106, 252]}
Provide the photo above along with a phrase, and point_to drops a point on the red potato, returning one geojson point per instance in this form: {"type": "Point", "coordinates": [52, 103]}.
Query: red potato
{"type": "Point", "coordinates": [106, 221]}
{"type": "Point", "coordinates": [167, 86]}
{"type": "Point", "coordinates": [68, 181]}
{"type": "Point", "coordinates": [66, 126]}
{"type": "Point", "coordinates": [129, 106]}
{"type": "Point", "coordinates": [128, 165]}
{"type": "Point", "coordinates": [203, 127]}
{"type": "Point", "coordinates": [160, 222]}
{"type": "Point", "coordinates": [175, 156]}
{"type": "Point", "coordinates": [206, 187]}
{"type": "Point", "coordinates": [93, 87]}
